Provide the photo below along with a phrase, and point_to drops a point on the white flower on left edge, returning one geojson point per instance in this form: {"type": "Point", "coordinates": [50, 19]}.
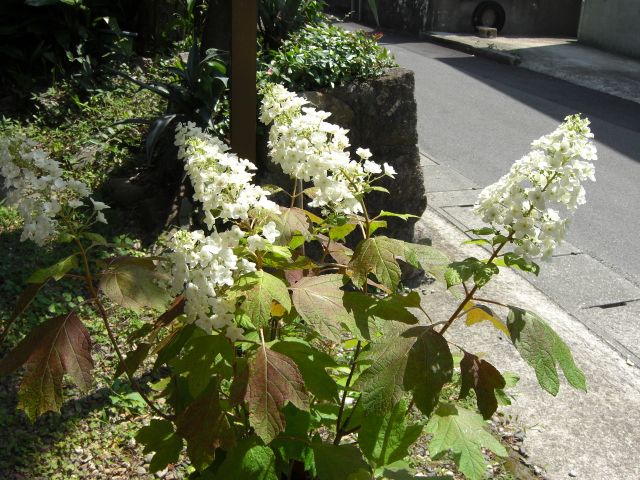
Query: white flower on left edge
{"type": "Point", "coordinates": [36, 188]}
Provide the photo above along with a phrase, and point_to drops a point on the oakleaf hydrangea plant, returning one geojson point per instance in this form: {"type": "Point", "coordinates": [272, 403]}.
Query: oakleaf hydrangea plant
{"type": "Point", "coordinates": [282, 352]}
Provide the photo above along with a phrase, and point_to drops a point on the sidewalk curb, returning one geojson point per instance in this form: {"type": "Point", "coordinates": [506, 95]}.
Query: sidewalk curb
{"type": "Point", "coordinates": [495, 55]}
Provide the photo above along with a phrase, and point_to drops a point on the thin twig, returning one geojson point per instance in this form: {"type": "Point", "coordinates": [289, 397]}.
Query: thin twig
{"type": "Point", "coordinates": [471, 292]}
{"type": "Point", "coordinates": [111, 335]}
{"type": "Point", "coordinates": [339, 431]}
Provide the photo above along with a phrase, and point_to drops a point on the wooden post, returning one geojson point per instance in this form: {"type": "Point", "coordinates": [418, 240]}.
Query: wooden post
{"type": "Point", "coordinates": [244, 17]}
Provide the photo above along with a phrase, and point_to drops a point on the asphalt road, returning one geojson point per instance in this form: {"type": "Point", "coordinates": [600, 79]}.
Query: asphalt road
{"type": "Point", "coordinates": [477, 116]}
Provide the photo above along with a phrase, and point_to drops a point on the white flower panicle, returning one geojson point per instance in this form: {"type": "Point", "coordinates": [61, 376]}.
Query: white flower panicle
{"type": "Point", "coordinates": [309, 148]}
{"type": "Point", "coordinates": [222, 182]}
{"type": "Point", "coordinates": [36, 187]}
{"type": "Point", "coordinates": [534, 202]}
{"type": "Point", "coordinates": [203, 267]}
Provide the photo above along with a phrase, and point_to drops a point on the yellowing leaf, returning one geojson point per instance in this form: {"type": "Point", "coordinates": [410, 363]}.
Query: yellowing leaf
{"type": "Point", "coordinates": [131, 283]}
{"type": "Point", "coordinates": [277, 310]}
{"type": "Point", "coordinates": [477, 313]}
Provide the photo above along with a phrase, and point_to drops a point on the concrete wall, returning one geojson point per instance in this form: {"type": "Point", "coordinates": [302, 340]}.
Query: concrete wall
{"type": "Point", "coordinates": [523, 17]}
{"type": "Point", "coordinates": [612, 25]}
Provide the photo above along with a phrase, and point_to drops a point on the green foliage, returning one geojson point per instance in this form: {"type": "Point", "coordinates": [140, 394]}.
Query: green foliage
{"type": "Point", "coordinates": [386, 439]}
{"type": "Point", "coordinates": [159, 437]}
{"type": "Point", "coordinates": [321, 56]}
{"type": "Point", "coordinates": [196, 96]}
{"type": "Point", "coordinates": [464, 434]}
{"type": "Point", "coordinates": [53, 37]}
{"type": "Point", "coordinates": [543, 349]}
{"type": "Point", "coordinates": [260, 290]}
{"type": "Point", "coordinates": [277, 19]}
{"type": "Point", "coordinates": [417, 361]}
{"type": "Point", "coordinates": [131, 282]}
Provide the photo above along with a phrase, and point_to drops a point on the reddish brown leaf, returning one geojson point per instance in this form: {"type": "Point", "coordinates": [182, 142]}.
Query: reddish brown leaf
{"type": "Point", "coordinates": [484, 378]}
{"type": "Point", "coordinates": [274, 380]}
{"type": "Point", "coordinates": [174, 311]}
{"type": "Point", "coordinates": [205, 427]}
{"type": "Point", "coordinates": [56, 347]}
{"type": "Point", "coordinates": [338, 251]}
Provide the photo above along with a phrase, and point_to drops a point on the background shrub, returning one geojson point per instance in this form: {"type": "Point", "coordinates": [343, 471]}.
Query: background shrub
{"type": "Point", "coordinates": [320, 56]}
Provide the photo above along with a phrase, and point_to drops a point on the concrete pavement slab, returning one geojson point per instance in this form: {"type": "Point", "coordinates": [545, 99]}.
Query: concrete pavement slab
{"type": "Point", "coordinates": [439, 178]}
{"type": "Point", "coordinates": [563, 58]}
{"type": "Point", "coordinates": [593, 435]}
{"type": "Point", "coordinates": [579, 281]}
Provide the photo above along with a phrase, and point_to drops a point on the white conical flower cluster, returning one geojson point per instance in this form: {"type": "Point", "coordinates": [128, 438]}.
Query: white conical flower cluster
{"type": "Point", "coordinates": [221, 180]}
{"type": "Point", "coordinates": [36, 188]}
{"type": "Point", "coordinates": [309, 148]}
{"type": "Point", "coordinates": [202, 267]}
{"type": "Point", "coordinates": [534, 202]}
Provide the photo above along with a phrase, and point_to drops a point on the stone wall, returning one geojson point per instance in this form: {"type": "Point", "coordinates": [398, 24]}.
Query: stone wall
{"type": "Point", "coordinates": [381, 115]}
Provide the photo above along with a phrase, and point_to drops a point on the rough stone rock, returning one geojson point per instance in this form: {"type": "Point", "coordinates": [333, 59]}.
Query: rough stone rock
{"type": "Point", "coordinates": [384, 120]}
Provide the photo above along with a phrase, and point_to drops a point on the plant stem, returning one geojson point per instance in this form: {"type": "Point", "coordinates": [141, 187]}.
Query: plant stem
{"type": "Point", "coordinates": [471, 292]}
{"type": "Point", "coordinates": [339, 427]}
{"type": "Point", "coordinates": [111, 335]}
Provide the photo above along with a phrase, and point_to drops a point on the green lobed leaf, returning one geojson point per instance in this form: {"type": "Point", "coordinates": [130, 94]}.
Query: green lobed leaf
{"type": "Point", "coordinates": [377, 255]}
{"type": "Point", "coordinates": [202, 358]}
{"type": "Point", "coordinates": [56, 347]}
{"type": "Point", "coordinates": [273, 381]}
{"type": "Point", "coordinates": [205, 427]}
{"type": "Point", "coordinates": [293, 442]}
{"type": "Point", "coordinates": [418, 361]}
{"type": "Point", "coordinates": [312, 364]}
{"type": "Point", "coordinates": [160, 438]}
{"type": "Point", "coordinates": [403, 216]}
{"type": "Point", "coordinates": [339, 462]}
{"type": "Point", "coordinates": [319, 301]}
{"type": "Point", "coordinates": [464, 433]}
{"type": "Point", "coordinates": [373, 314]}
{"type": "Point", "coordinates": [56, 271]}
{"type": "Point", "coordinates": [510, 259]}
{"type": "Point", "coordinates": [250, 460]}
{"type": "Point", "coordinates": [290, 222]}
{"type": "Point", "coordinates": [260, 290]}
{"type": "Point", "coordinates": [543, 349]}
{"type": "Point", "coordinates": [459, 272]}
{"type": "Point", "coordinates": [485, 379]}
{"type": "Point", "coordinates": [339, 232]}
{"type": "Point", "coordinates": [131, 283]}
{"type": "Point", "coordinates": [386, 439]}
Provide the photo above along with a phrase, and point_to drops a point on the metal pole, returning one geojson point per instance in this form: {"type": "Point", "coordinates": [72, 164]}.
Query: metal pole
{"type": "Point", "coordinates": [244, 17]}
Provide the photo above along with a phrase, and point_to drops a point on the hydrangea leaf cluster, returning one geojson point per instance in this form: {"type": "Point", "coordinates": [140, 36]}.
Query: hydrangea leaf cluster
{"type": "Point", "coordinates": [534, 202]}
{"type": "Point", "coordinates": [36, 186]}
{"type": "Point", "coordinates": [309, 148]}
